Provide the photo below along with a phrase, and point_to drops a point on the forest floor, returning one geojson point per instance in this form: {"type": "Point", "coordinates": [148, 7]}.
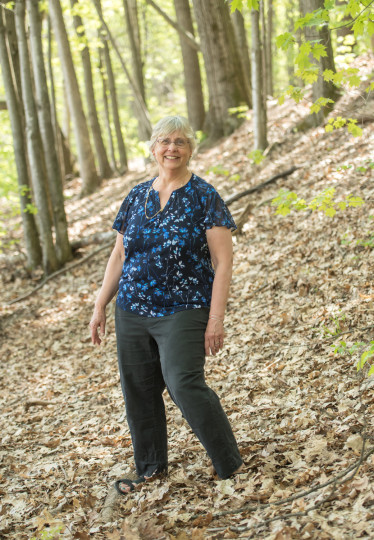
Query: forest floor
{"type": "Point", "coordinates": [302, 414]}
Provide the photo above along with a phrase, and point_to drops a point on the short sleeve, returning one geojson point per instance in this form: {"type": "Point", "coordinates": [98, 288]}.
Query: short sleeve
{"type": "Point", "coordinates": [217, 213]}
{"type": "Point", "coordinates": [120, 223]}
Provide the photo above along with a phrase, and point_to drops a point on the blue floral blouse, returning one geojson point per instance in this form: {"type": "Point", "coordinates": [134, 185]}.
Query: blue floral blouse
{"type": "Point", "coordinates": [168, 266]}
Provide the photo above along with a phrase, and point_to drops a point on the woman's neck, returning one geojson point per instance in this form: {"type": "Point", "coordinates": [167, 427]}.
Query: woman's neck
{"type": "Point", "coordinates": [173, 178]}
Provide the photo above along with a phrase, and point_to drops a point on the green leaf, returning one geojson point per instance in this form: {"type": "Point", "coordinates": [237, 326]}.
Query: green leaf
{"type": "Point", "coordinates": [236, 5]}
{"type": "Point", "coordinates": [318, 51]}
{"type": "Point", "coordinates": [285, 41]}
{"type": "Point", "coordinates": [371, 371]}
{"type": "Point", "coordinates": [330, 212]}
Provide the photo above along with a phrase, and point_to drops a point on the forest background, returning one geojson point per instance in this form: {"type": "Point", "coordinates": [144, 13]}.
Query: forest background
{"type": "Point", "coordinates": [281, 96]}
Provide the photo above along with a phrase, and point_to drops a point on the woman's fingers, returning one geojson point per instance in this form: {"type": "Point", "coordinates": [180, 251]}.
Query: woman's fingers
{"type": "Point", "coordinates": [97, 322]}
{"type": "Point", "coordinates": [214, 337]}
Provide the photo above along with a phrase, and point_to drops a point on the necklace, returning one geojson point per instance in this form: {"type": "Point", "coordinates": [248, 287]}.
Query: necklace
{"type": "Point", "coordinates": [146, 199]}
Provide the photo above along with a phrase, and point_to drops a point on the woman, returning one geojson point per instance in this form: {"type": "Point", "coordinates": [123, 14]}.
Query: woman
{"type": "Point", "coordinates": [171, 232]}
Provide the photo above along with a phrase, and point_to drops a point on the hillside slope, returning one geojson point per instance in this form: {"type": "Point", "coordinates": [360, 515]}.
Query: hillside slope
{"type": "Point", "coordinates": [302, 415]}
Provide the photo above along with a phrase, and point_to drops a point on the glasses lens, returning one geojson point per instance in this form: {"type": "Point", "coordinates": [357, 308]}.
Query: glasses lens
{"type": "Point", "coordinates": [180, 143]}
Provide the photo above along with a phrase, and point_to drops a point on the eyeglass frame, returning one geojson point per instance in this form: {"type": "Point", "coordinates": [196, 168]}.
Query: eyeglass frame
{"type": "Point", "coordinates": [165, 145]}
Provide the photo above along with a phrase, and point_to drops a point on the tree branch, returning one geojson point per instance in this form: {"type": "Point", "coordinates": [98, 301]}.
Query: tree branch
{"type": "Point", "coordinates": [187, 36]}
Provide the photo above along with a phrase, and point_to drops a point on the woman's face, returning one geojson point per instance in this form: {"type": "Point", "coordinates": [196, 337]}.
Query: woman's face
{"type": "Point", "coordinates": [172, 152]}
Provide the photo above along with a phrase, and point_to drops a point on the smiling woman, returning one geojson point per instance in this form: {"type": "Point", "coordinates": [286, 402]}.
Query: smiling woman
{"type": "Point", "coordinates": [172, 268]}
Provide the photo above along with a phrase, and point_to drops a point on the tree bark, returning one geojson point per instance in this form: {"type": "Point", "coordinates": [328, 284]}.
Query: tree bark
{"type": "Point", "coordinates": [115, 111]}
{"type": "Point", "coordinates": [140, 101]}
{"type": "Point", "coordinates": [14, 106]}
{"type": "Point", "coordinates": [104, 168]}
{"type": "Point", "coordinates": [35, 154]}
{"type": "Point", "coordinates": [269, 48]}
{"type": "Point", "coordinates": [259, 110]}
{"type": "Point", "coordinates": [222, 65]}
{"type": "Point", "coordinates": [86, 160]}
{"type": "Point", "coordinates": [106, 110]}
{"type": "Point", "coordinates": [321, 88]}
{"type": "Point", "coordinates": [133, 31]}
{"type": "Point", "coordinates": [47, 133]}
{"type": "Point", "coordinates": [191, 68]}
{"type": "Point", "coordinates": [241, 38]}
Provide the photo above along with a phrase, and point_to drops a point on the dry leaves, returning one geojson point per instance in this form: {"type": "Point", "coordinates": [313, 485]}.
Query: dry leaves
{"type": "Point", "coordinates": [298, 411]}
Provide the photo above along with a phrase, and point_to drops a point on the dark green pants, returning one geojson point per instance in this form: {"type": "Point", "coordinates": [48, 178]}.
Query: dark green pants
{"type": "Point", "coordinates": [159, 352]}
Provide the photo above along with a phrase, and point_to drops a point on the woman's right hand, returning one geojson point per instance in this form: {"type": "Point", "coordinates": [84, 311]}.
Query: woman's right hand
{"type": "Point", "coordinates": [98, 320]}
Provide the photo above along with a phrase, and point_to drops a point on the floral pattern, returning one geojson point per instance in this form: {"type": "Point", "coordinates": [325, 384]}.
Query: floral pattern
{"type": "Point", "coordinates": [168, 266]}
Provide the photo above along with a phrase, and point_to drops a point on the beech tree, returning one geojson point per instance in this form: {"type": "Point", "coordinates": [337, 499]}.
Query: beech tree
{"type": "Point", "coordinates": [43, 108]}
{"type": "Point", "coordinates": [34, 147]}
{"type": "Point", "coordinates": [15, 108]}
{"type": "Point", "coordinates": [104, 168]}
{"type": "Point", "coordinates": [86, 160]}
{"type": "Point", "coordinates": [258, 90]}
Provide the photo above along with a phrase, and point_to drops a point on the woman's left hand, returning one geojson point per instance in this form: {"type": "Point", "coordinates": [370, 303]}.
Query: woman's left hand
{"type": "Point", "coordinates": [214, 336]}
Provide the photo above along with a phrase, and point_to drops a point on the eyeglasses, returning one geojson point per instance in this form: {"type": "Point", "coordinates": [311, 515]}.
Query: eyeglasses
{"type": "Point", "coordinates": [179, 143]}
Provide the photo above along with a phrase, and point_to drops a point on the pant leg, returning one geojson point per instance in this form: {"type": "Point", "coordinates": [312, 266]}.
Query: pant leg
{"type": "Point", "coordinates": [142, 386]}
{"type": "Point", "coordinates": [182, 355]}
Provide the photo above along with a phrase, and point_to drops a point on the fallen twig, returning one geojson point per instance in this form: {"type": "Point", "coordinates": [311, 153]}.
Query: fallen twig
{"type": "Point", "coordinates": [270, 180]}
{"type": "Point", "coordinates": [59, 272]}
{"type": "Point", "coordinates": [34, 402]}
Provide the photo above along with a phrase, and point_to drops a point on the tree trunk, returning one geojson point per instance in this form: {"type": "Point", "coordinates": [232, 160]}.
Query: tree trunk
{"type": "Point", "coordinates": [241, 38]}
{"type": "Point", "coordinates": [263, 35]}
{"type": "Point", "coordinates": [14, 106]}
{"type": "Point", "coordinates": [63, 248]}
{"type": "Point", "coordinates": [106, 109]}
{"type": "Point", "coordinates": [132, 24]}
{"type": "Point", "coordinates": [105, 170]}
{"type": "Point", "coordinates": [191, 67]}
{"type": "Point", "coordinates": [222, 65]}
{"type": "Point", "coordinates": [140, 101]}
{"type": "Point", "coordinates": [269, 48]}
{"type": "Point", "coordinates": [259, 111]}
{"type": "Point", "coordinates": [321, 88]}
{"type": "Point", "coordinates": [35, 154]}
{"type": "Point", "coordinates": [86, 160]}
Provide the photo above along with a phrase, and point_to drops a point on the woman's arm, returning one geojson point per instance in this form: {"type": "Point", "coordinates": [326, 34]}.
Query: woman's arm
{"type": "Point", "coordinates": [220, 247]}
{"type": "Point", "coordinates": [108, 290]}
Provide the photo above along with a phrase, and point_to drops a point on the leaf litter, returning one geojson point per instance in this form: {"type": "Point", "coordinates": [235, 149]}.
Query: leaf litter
{"type": "Point", "coordinates": [302, 415]}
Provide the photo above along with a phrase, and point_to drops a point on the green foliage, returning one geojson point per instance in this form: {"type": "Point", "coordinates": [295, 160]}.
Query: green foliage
{"type": "Point", "coordinates": [239, 112]}
{"type": "Point", "coordinates": [256, 156]}
{"type": "Point", "coordinates": [238, 5]}
{"type": "Point", "coordinates": [221, 171]}
{"type": "Point", "coordinates": [320, 102]}
{"type": "Point", "coordinates": [323, 202]}
{"type": "Point", "coordinates": [52, 533]}
{"type": "Point", "coordinates": [339, 122]}
{"type": "Point", "coordinates": [337, 321]}
{"type": "Point", "coordinates": [365, 350]}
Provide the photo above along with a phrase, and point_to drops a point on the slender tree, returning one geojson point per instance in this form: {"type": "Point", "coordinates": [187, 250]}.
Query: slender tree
{"type": "Point", "coordinates": [222, 65]}
{"type": "Point", "coordinates": [191, 67]}
{"type": "Point", "coordinates": [14, 106]}
{"type": "Point", "coordinates": [106, 108]}
{"type": "Point", "coordinates": [258, 98]}
{"type": "Point", "coordinates": [104, 168]}
{"type": "Point", "coordinates": [86, 160]}
{"type": "Point", "coordinates": [34, 149]}
{"type": "Point", "coordinates": [133, 32]}
{"type": "Point", "coordinates": [63, 248]}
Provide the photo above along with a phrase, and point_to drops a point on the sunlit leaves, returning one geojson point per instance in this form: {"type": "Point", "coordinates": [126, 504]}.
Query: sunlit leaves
{"type": "Point", "coordinates": [286, 201]}
{"type": "Point", "coordinates": [284, 41]}
{"type": "Point", "coordinates": [320, 102]}
{"type": "Point", "coordinates": [315, 18]}
{"type": "Point", "coordinates": [365, 357]}
{"type": "Point", "coordinates": [339, 122]}
{"type": "Point", "coordinates": [239, 4]}
{"type": "Point", "coordinates": [257, 156]}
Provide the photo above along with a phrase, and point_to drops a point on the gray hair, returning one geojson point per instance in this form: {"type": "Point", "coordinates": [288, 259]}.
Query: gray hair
{"type": "Point", "coordinates": [168, 125]}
